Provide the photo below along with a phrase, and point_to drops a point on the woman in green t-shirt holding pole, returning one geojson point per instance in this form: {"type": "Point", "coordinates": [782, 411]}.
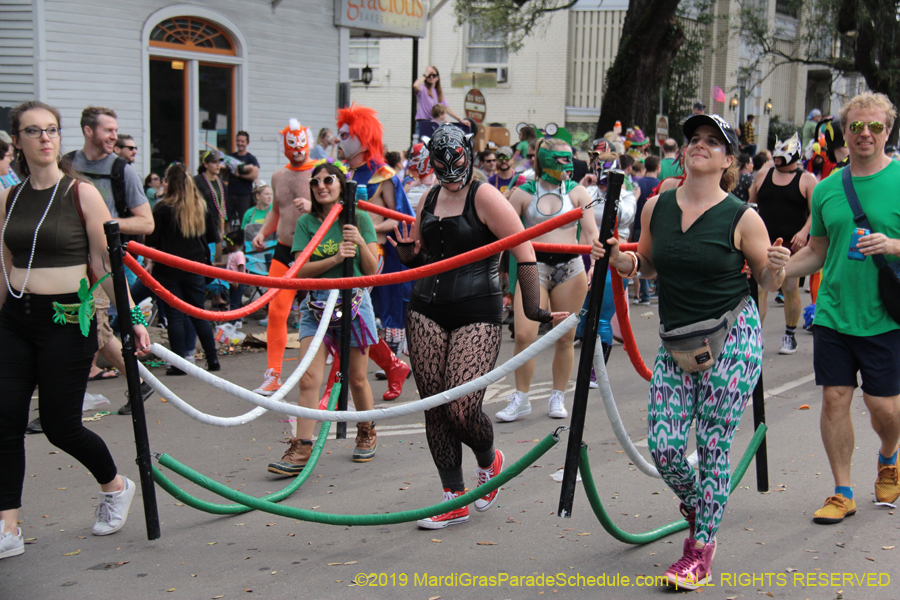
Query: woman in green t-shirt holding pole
{"type": "Point", "coordinates": [328, 185]}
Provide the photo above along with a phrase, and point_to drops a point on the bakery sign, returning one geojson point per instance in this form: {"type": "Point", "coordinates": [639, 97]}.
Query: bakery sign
{"type": "Point", "coordinates": [397, 17]}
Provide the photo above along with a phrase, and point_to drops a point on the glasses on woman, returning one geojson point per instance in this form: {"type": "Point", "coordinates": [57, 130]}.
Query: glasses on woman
{"type": "Point", "coordinates": [36, 132]}
{"type": "Point", "coordinates": [327, 180]}
{"type": "Point", "coordinates": [431, 76]}
{"type": "Point", "coordinates": [856, 127]}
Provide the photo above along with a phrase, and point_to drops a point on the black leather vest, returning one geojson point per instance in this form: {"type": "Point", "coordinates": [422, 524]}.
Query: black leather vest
{"type": "Point", "coordinates": [452, 236]}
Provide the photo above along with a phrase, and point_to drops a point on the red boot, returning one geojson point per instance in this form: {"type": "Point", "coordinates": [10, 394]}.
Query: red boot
{"type": "Point", "coordinates": [332, 377]}
{"type": "Point", "coordinates": [397, 370]}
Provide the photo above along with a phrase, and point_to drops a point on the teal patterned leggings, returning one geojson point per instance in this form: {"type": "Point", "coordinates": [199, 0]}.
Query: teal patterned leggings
{"type": "Point", "coordinates": [716, 398]}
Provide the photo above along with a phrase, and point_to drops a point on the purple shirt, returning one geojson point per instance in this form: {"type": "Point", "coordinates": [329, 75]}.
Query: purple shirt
{"type": "Point", "coordinates": [426, 102]}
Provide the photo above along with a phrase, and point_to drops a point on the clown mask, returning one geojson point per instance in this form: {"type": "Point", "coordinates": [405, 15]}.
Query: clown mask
{"type": "Point", "coordinates": [350, 145]}
{"type": "Point", "coordinates": [295, 141]}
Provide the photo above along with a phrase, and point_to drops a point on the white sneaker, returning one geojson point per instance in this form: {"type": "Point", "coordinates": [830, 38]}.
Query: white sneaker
{"type": "Point", "coordinates": [788, 345]}
{"type": "Point", "coordinates": [557, 405]}
{"type": "Point", "coordinates": [112, 510]}
{"type": "Point", "coordinates": [11, 544]}
{"type": "Point", "coordinates": [518, 406]}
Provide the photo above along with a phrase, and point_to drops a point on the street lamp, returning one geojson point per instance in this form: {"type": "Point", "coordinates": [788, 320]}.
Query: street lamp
{"type": "Point", "coordinates": [768, 107]}
{"type": "Point", "coordinates": [734, 103]}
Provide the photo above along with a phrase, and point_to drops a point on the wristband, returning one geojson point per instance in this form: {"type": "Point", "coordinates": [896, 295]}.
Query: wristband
{"type": "Point", "coordinates": [137, 317]}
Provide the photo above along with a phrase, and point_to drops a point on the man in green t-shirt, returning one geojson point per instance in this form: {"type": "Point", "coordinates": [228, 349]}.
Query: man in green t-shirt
{"type": "Point", "coordinates": [670, 166]}
{"type": "Point", "coordinates": [853, 330]}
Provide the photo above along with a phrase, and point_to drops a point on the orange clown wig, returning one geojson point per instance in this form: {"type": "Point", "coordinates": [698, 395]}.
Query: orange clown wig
{"type": "Point", "coordinates": [364, 125]}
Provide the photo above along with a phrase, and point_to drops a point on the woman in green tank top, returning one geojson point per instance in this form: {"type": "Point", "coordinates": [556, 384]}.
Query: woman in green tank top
{"type": "Point", "coordinates": [696, 239]}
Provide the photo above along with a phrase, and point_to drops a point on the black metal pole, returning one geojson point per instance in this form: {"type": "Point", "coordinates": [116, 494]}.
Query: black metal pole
{"type": "Point", "coordinates": [759, 417]}
{"type": "Point", "coordinates": [348, 217]}
{"type": "Point", "coordinates": [415, 101]}
{"type": "Point", "coordinates": [133, 378]}
{"type": "Point", "coordinates": [588, 344]}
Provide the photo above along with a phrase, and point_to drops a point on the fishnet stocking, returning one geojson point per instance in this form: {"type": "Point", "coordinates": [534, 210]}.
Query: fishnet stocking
{"type": "Point", "coordinates": [442, 360]}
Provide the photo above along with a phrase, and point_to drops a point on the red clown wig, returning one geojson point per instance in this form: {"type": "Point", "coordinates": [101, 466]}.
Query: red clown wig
{"type": "Point", "coordinates": [365, 126]}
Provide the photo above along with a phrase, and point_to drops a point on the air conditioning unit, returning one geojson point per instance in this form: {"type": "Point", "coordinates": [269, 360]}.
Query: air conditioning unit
{"type": "Point", "coordinates": [355, 73]}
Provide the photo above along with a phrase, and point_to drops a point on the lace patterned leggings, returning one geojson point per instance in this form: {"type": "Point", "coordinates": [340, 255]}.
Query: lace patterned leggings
{"type": "Point", "coordinates": [442, 360]}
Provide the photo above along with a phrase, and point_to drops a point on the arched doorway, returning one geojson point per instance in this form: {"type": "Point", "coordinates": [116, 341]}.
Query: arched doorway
{"type": "Point", "coordinates": [194, 77]}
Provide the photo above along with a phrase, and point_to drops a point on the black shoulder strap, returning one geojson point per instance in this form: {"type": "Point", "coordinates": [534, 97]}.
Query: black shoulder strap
{"type": "Point", "coordinates": [859, 217]}
{"type": "Point", "coordinates": [117, 176]}
{"type": "Point", "coordinates": [744, 207]}
{"type": "Point", "coordinates": [431, 198]}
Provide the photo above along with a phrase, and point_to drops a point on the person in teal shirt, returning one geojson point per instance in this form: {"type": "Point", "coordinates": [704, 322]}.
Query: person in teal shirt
{"type": "Point", "coordinates": [328, 185]}
{"type": "Point", "coordinates": [853, 331]}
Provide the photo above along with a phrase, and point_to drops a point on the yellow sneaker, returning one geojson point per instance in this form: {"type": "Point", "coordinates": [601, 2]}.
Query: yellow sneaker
{"type": "Point", "coordinates": [887, 486]}
{"type": "Point", "coordinates": [836, 508]}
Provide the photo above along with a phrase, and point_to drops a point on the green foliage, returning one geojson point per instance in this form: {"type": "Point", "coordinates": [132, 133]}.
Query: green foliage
{"type": "Point", "coordinates": [507, 18]}
{"type": "Point", "coordinates": [682, 87]}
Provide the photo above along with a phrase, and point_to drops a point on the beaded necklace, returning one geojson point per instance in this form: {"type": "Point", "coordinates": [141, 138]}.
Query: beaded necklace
{"type": "Point", "coordinates": [220, 201]}
{"type": "Point", "coordinates": [33, 241]}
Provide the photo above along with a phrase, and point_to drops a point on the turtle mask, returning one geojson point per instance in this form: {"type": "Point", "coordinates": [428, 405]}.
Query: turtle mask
{"type": "Point", "coordinates": [554, 163]}
{"type": "Point", "coordinates": [451, 154]}
{"type": "Point", "coordinates": [788, 151]}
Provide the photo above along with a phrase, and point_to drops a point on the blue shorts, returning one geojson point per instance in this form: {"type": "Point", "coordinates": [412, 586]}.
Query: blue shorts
{"type": "Point", "coordinates": [838, 357]}
{"type": "Point", "coordinates": [364, 332]}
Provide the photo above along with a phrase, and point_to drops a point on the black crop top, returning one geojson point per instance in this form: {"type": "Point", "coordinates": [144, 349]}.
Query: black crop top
{"type": "Point", "coordinates": [452, 236]}
{"type": "Point", "coordinates": [62, 240]}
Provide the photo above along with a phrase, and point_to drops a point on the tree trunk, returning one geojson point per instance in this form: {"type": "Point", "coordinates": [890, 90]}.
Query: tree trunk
{"type": "Point", "coordinates": [651, 37]}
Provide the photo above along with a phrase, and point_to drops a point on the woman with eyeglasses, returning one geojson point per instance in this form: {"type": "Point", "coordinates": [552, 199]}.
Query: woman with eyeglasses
{"type": "Point", "coordinates": [562, 276]}
{"type": "Point", "coordinates": [185, 227]}
{"type": "Point", "coordinates": [428, 93]}
{"type": "Point", "coordinates": [154, 188]}
{"type": "Point", "coordinates": [696, 240]}
{"type": "Point", "coordinates": [328, 186]}
{"type": "Point", "coordinates": [52, 248]}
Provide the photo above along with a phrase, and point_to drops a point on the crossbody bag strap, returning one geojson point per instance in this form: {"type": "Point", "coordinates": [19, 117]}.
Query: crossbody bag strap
{"type": "Point", "coordinates": [859, 217]}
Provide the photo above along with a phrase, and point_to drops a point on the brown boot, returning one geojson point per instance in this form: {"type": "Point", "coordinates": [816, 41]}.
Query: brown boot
{"type": "Point", "coordinates": [365, 442]}
{"type": "Point", "coordinates": [294, 459]}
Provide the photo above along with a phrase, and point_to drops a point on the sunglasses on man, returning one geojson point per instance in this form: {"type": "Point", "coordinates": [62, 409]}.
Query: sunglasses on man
{"type": "Point", "coordinates": [856, 127]}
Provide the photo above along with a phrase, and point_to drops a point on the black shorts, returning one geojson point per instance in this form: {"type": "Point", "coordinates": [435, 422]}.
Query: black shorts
{"type": "Point", "coordinates": [487, 309]}
{"type": "Point", "coordinates": [837, 358]}
{"type": "Point", "coordinates": [236, 205]}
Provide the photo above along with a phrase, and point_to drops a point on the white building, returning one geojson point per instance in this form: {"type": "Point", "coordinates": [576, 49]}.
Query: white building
{"type": "Point", "coordinates": [177, 74]}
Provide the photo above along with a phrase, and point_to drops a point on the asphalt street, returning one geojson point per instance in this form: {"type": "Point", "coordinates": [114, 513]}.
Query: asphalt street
{"type": "Point", "coordinates": [767, 545]}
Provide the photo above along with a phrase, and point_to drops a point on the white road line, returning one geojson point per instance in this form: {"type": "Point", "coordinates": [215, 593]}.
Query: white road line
{"type": "Point", "coordinates": [791, 385]}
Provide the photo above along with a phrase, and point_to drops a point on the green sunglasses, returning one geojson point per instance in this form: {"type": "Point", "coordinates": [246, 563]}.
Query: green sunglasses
{"type": "Point", "coordinates": [856, 127]}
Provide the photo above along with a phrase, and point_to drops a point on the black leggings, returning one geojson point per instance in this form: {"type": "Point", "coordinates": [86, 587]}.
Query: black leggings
{"type": "Point", "coordinates": [442, 360]}
{"type": "Point", "coordinates": [57, 359]}
{"type": "Point", "coordinates": [191, 289]}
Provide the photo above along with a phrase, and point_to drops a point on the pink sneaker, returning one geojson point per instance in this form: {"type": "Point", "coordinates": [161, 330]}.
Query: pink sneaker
{"type": "Point", "coordinates": [485, 475]}
{"type": "Point", "coordinates": [694, 569]}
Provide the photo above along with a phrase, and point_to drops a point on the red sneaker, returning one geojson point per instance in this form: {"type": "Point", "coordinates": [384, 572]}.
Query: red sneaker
{"type": "Point", "coordinates": [485, 475]}
{"type": "Point", "coordinates": [460, 515]}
